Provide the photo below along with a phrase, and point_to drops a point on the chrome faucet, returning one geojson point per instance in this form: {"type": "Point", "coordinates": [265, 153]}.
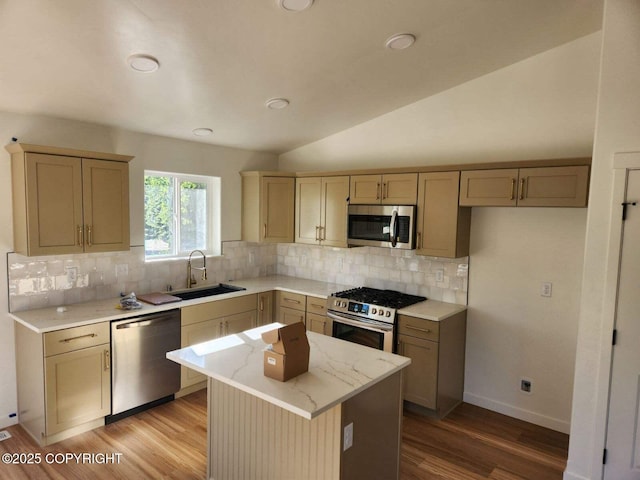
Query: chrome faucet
{"type": "Point", "coordinates": [190, 279]}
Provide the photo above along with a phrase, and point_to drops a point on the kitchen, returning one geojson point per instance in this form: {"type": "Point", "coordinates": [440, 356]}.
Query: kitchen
{"type": "Point", "coordinates": [498, 290]}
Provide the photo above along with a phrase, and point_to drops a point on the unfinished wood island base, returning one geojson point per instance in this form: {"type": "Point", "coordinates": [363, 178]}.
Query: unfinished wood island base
{"type": "Point", "coordinates": [260, 428]}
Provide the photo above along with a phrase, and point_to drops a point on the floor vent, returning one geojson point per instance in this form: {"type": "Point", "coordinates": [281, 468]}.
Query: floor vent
{"type": "Point", "coordinates": [4, 435]}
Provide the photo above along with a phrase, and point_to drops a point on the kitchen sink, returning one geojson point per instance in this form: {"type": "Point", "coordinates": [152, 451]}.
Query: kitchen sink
{"type": "Point", "coordinates": [207, 292]}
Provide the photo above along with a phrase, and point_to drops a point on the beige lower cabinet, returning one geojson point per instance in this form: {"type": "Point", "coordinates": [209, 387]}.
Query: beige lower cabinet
{"type": "Point", "coordinates": [435, 378]}
{"type": "Point", "coordinates": [207, 321]}
{"type": "Point", "coordinates": [290, 307]}
{"type": "Point", "coordinates": [316, 312]}
{"type": "Point", "coordinates": [64, 380]}
{"type": "Point", "coordinates": [442, 227]}
{"type": "Point", "coordinates": [265, 307]}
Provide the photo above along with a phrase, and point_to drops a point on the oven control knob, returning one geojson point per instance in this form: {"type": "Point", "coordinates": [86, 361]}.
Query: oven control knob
{"type": "Point", "coordinates": [374, 311]}
{"type": "Point", "coordinates": [381, 312]}
{"type": "Point", "coordinates": [344, 304]}
{"type": "Point", "coordinates": [388, 314]}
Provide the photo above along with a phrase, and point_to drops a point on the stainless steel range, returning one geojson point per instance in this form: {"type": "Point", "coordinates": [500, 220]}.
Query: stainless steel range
{"type": "Point", "coordinates": [368, 315]}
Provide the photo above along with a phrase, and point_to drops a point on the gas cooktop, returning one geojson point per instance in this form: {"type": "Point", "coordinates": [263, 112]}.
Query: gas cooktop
{"type": "Point", "coordinates": [382, 298]}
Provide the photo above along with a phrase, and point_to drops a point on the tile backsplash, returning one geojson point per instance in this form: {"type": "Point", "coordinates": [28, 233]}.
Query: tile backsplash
{"type": "Point", "coordinates": [37, 282]}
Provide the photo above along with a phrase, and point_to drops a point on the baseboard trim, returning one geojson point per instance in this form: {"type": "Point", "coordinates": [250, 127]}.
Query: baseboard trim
{"type": "Point", "coordinates": [519, 413]}
{"type": "Point", "coordinates": [573, 476]}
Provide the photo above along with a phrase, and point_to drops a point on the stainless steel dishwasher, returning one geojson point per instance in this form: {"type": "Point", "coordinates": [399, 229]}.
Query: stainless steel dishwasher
{"type": "Point", "coordinates": [141, 375]}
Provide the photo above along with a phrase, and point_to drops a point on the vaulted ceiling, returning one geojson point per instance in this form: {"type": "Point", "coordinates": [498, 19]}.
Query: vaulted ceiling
{"type": "Point", "coordinates": [221, 60]}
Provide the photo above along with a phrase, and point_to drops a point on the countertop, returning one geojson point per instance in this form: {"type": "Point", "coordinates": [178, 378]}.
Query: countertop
{"type": "Point", "coordinates": [338, 370]}
{"type": "Point", "coordinates": [50, 319]}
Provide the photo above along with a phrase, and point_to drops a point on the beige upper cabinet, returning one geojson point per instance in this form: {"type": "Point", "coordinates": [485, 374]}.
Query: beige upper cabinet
{"type": "Point", "coordinates": [526, 187]}
{"type": "Point", "coordinates": [65, 202]}
{"type": "Point", "coordinates": [321, 210]}
{"type": "Point", "coordinates": [442, 226]}
{"type": "Point", "coordinates": [389, 189]}
{"type": "Point", "coordinates": [267, 207]}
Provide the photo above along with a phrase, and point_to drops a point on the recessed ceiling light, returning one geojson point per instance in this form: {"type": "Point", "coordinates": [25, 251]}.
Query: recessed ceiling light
{"type": "Point", "coordinates": [143, 63]}
{"type": "Point", "coordinates": [295, 5]}
{"type": "Point", "coordinates": [400, 41]}
{"type": "Point", "coordinates": [277, 103]}
{"type": "Point", "coordinates": [202, 132]}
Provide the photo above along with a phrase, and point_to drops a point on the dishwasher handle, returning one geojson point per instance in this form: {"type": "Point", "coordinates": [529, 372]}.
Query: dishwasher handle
{"type": "Point", "coordinates": [144, 322]}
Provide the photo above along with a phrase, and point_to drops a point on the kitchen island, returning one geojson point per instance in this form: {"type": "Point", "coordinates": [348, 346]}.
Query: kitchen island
{"type": "Point", "coordinates": [340, 420]}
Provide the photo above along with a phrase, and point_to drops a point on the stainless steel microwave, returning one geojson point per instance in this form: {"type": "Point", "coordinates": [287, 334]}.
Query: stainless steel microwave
{"type": "Point", "coordinates": [382, 226]}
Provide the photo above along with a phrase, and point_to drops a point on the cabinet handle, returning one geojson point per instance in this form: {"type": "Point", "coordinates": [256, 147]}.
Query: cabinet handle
{"type": "Point", "coordinates": [226, 328]}
{"type": "Point", "coordinates": [317, 306]}
{"type": "Point", "coordinates": [261, 305]}
{"type": "Point", "coordinates": [291, 300]}
{"type": "Point", "coordinates": [89, 236]}
{"type": "Point", "coordinates": [513, 189]}
{"type": "Point", "coordinates": [378, 192]}
{"type": "Point", "coordinates": [385, 191]}
{"type": "Point", "coordinates": [317, 234]}
{"type": "Point", "coordinates": [424, 330]}
{"type": "Point", "coordinates": [522, 189]}
{"type": "Point", "coordinates": [322, 233]}
{"type": "Point", "coordinates": [107, 359]}
{"type": "Point", "coordinates": [264, 231]}
{"type": "Point", "coordinates": [80, 235]}
{"type": "Point", "coordinates": [71, 339]}
{"type": "Point", "coordinates": [419, 242]}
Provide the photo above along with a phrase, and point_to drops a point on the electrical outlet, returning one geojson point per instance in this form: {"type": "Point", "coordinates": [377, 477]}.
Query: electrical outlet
{"type": "Point", "coordinates": [348, 437]}
{"type": "Point", "coordinates": [439, 275]}
{"type": "Point", "coordinates": [545, 289]}
{"type": "Point", "coordinates": [526, 385]}
{"type": "Point", "coordinates": [72, 274]}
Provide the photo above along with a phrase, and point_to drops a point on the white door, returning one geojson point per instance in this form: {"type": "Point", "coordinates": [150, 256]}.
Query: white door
{"type": "Point", "coordinates": [623, 428]}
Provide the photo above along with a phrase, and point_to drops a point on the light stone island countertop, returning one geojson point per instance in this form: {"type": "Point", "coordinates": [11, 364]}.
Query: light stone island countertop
{"type": "Point", "coordinates": [50, 319]}
{"type": "Point", "coordinates": [338, 370]}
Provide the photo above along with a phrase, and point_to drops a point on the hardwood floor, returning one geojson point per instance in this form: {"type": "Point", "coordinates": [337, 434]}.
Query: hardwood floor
{"type": "Point", "coordinates": [169, 442]}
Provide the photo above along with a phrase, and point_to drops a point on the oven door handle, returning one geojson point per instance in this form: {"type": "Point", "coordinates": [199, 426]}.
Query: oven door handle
{"type": "Point", "coordinates": [367, 325]}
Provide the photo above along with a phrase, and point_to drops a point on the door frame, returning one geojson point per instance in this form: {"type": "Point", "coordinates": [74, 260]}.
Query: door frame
{"type": "Point", "coordinates": [622, 163]}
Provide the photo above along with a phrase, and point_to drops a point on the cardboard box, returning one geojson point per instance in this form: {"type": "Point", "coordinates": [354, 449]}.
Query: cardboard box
{"type": "Point", "coordinates": [289, 353]}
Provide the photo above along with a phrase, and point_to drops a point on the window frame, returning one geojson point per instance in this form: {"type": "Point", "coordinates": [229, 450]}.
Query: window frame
{"type": "Point", "coordinates": [213, 205]}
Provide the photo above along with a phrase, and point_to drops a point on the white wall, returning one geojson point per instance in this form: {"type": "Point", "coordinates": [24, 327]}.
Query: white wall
{"type": "Point", "coordinates": [151, 152]}
{"type": "Point", "coordinates": [541, 107]}
{"type": "Point", "coordinates": [617, 130]}
{"type": "Point", "coordinates": [514, 332]}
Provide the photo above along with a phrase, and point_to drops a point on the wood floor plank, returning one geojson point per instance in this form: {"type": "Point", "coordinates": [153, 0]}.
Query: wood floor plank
{"type": "Point", "coordinates": [169, 442]}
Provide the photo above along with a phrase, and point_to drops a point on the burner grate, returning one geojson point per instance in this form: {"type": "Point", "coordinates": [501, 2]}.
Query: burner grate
{"type": "Point", "coordinates": [383, 298]}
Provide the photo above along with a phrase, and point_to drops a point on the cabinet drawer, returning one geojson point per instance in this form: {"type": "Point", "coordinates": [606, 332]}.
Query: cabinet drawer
{"type": "Point", "coordinates": [316, 305]}
{"type": "Point", "coordinates": [292, 300]}
{"type": "Point", "coordinates": [70, 339]}
{"type": "Point", "coordinates": [216, 309]}
{"type": "Point", "coordinates": [419, 328]}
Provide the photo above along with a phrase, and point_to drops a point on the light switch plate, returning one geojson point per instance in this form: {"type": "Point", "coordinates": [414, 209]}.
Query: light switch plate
{"type": "Point", "coordinates": [348, 437]}
{"type": "Point", "coordinates": [545, 289]}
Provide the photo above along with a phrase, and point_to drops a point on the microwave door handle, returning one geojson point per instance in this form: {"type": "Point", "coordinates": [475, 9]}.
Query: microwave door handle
{"type": "Point", "coordinates": [393, 237]}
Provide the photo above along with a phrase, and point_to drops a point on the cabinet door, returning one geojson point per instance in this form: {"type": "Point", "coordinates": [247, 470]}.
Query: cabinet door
{"type": "Point", "coordinates": [265, 308]}
{"type": "Point", "coordinates": [333, 227]}
{"type": "Point", "coordinates": [400, 189]}
{"type": "Point", "coordinates": [54, 204]}
{"type": "Point", "coordinates": [420, 383]}
{"type": "Point", "coordinates": [365, 189]}
{"type": "Point", "coordinates": [443, 227]}
{"type": "Point", "coordinates": [288, 315]}
{"type": "Point", "coordinates": [308, 193]}
{"type": "Point", "coordinates": [553, 187]}
{"type": "Point", "coordinates": [106, 205]}
{"type": "Point", "coordinates": [277, 209]}
{"type": "Point", "coordinates": [489, 188]}
{"type": "Point", "coordinates": [78, 387]}
{"type": "Point", "coordinates": [318, 323]}
{"type": "Point", "coordinates": [239, 322]}
{"type": "Point", "coordinates": [197, 333]}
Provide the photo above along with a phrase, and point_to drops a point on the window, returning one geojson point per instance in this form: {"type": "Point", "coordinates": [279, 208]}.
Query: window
{"type": "Point", "coordinates": [181, 214]}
